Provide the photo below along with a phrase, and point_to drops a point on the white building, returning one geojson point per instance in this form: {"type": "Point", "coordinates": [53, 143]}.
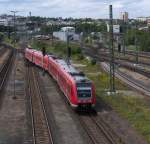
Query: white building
{"type": "Point", "coordinates": [65, 32]}
{"type": "Point", "coordinates": [4, 22]}
{"type": "Point", "coordinates": [141, 19]}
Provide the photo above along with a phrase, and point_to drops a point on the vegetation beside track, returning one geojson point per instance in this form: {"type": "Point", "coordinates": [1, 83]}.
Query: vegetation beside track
{"type": "Point", "coordinates": [131, 107]}
{"type": "Point", "coordinates": [8, 41]}
{"type": "Point", "coordinates": [58, 48]}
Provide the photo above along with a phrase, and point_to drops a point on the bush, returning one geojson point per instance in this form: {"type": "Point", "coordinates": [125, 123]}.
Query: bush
{"type": "Point", "coordinates": [1, 37]}
{"type": "Point", "coordinates": [93, 62]}
{"type": "Point", "coordinates": [76, 50]}
{"type": "Point", "coordinates": [81, 57]}
{"type": "Point", "coordinates": [38, 45]}
{"type": "Point", "coordinates": [143, 39]}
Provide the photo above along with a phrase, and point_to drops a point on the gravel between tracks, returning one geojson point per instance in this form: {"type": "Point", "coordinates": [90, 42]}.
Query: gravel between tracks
{"type": "Point", "coordinates": [13, 122]}
{"type": "Point", "coordinates": [123, 128]}
{"type": "Point", "coordinates": [15, 126]}
{"type": "Point", "coordinates": [66, 129]}
{"type": "Point", "coordinates": [136, 76]}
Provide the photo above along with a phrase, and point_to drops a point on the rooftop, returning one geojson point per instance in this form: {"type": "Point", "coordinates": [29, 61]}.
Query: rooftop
{"type": "Point", "coordinates": [78, 76]}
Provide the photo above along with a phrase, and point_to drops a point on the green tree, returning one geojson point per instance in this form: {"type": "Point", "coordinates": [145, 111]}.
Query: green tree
{"type": "Point", "coordinates": [1, 37]}
{"type": "Point", "coordinates": [143, 39]}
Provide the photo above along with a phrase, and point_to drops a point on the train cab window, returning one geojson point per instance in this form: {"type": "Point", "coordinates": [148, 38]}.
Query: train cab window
{"type": "Point", "coordinates": [84, 90]}
{"type": "Point", "coordinates": [84, 93]}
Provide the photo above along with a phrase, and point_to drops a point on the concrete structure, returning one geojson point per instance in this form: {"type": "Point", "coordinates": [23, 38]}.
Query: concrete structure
{"type": "Point", "coordinates": [58, 22]}
{"type": "Point", "coordinates": [65, 32]}
{"type": "Point", "coordinates": [116, 29]}
{"type": "Point", "coordinates": [124, 16]}
{"type": "Point", "coordinates": [143, 28]}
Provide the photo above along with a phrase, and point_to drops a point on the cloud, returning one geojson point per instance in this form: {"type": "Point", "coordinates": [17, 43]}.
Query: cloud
{"type": "Point", "coordinates": [76, 8]}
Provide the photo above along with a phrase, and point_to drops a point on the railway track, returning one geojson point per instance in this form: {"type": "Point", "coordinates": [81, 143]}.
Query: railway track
{"type": "Point", "coordinates": [121, 63]}
{"type": "Point", "coordinates": [141, 87]}
{"type": "Point", "coordinates": [105, 56]}
{"type": "Point", "coordinates": [40, 125]}
{"type": "Point", "coordinates": [135, 84]}
{"type": "Point", "coordinates": [130, 81]}
{"type": "Point", "coordinates": [98, 130]}
{"type": "Point", "coordinates": [141, 54]}
{"type": "Point", "coordinates": [5, 68]}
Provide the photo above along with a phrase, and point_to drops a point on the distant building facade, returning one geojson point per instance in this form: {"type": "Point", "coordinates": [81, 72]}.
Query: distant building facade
{"type": "Point", "coordinates": [141, 19]}
{"type": "Point", "coordinates": [148, 22]}
{"type": "Point", "coordinates": [65, 32]}
{"type": "Point", "coordinates": [124, 16]}
{"type": "Point", "coordinates": [3, 22]}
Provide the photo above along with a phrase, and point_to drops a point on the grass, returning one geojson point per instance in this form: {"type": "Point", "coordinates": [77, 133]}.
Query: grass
{"type": "Point", "coordinates": [58, 48]}
{"type": "Point", "coordinates": [134, 109]}
{"type": "Point", "coordinates": [131, 47]}
{"type": "Point", "coordinates": [9, 41]}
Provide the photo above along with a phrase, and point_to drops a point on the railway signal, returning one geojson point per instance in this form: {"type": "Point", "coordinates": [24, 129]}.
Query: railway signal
{"type": "Point", "coordinates": [44, 53]}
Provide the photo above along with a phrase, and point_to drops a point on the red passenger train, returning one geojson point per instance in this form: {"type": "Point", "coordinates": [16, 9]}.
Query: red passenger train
{"type": "Point", "coordinates": [77, 88]}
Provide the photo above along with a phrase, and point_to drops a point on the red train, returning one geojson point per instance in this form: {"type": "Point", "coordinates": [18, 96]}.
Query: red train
{"type": "Point", "coordinates": [77, 88]}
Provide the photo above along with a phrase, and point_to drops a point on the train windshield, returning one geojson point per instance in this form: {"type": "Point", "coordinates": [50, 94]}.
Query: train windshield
{"type": "Point", "coordinates": [84, 90]}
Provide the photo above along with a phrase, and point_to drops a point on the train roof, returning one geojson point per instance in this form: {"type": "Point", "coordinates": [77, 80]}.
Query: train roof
{"type": "Point", "coordinates": [78, 76]}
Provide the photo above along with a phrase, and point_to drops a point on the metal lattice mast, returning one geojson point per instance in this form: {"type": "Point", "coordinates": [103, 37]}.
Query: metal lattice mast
{"type": "Point", "coordinates": [14, 12]}
{"type": "Point", "coordinates": [136, 46]}
{"type": "Point", "coordinates": [112, 66]}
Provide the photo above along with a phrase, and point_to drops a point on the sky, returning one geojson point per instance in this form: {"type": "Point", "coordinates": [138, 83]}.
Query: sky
{"type": "Point", "coordinates": [76, 8]}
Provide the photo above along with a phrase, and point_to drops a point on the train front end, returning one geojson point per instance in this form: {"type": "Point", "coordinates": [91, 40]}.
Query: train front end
{"type": "Point", "coordinates": [86, 94]}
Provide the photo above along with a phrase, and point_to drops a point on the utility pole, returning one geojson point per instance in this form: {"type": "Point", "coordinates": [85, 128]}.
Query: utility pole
{"type": "Point", "coordinates": [8, 29]}
{"type": "Point", "coordinates": [81, 40]}
{"type": "Point", "coordinates": [124, 51]}
{"type": "Point", "coordinates": [123, 35]}
{"type": "Point", "coordinates": [52, 34]}
{"type": "Point", "coordinates": [68, 49]}
{"type": "Point", "coordinates": [30, 14]}
{"type": "Point", "coordinates": [30, 23]}
{"type": "Point", "coordinates": [136, 46]}
{"type": "Point", "coordinates": [14, 12]}
{"type": "Point", "coordinates": [111, 45]}
{"type": "Point", "coordinates": [26, 33]}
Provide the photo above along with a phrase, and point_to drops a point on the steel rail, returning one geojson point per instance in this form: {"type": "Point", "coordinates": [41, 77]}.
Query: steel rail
{"type": "Point", "coordinates": [5, 68]}
{"type": "Point", "coordinates": [40, 126]}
